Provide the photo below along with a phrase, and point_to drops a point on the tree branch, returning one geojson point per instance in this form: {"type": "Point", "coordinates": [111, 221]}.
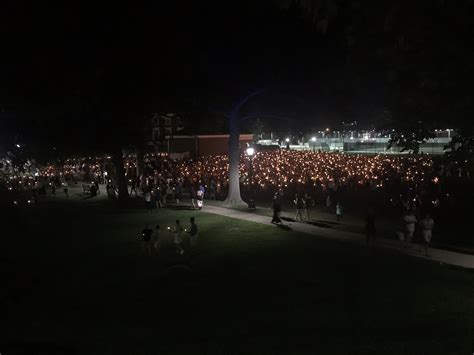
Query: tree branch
{"type": "Point", "coordinates": [245, 99]}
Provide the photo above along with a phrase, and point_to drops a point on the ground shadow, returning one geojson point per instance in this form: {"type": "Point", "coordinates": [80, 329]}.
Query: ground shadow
{"type": "Point", "coordinates": [284, 227]}
{"type": "Point", "coordinates": [313, 223]}
{"type": "Point", "coordinates": [319, 224]}
{"type": "Point", "coordinates": [180, 207]}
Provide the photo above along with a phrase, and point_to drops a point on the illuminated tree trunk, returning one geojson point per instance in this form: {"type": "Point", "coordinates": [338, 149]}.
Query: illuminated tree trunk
{"type": "Point", "coordinates": [234, 198]}
{"type": "Point", "coordinates": [117, 159]}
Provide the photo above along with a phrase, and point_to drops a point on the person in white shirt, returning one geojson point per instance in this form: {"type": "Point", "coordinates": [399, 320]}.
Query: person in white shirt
{"type": "Point", "coordinates": [427, 225]}
{"type": "Point", "coordinates": [339, 212]}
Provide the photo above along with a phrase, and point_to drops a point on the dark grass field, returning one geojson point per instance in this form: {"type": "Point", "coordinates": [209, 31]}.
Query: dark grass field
{"type": "Point", "coordinates": [75, 282]}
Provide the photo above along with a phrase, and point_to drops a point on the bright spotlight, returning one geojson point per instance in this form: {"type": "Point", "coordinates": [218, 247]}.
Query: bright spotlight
{"type": "Point", "coordinates": [250, 151]}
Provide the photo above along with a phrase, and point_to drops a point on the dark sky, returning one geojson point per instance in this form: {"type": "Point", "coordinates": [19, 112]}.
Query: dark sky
{"type": "Point", "coordinates": [57, 61]}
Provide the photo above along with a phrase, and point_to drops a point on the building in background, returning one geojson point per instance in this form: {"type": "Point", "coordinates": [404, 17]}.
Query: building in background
{"type": "Point", "coordinates": [165, 124]}
{"type": "Point", "coordinates": [200, 145]}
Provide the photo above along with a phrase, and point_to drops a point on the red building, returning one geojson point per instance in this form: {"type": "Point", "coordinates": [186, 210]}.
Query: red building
{"type": "Point", "coordinates": [199, 145]}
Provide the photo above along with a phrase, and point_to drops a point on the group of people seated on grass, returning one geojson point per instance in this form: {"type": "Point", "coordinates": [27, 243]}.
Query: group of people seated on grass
{"type": "Point", "coordinates": [152, 239]}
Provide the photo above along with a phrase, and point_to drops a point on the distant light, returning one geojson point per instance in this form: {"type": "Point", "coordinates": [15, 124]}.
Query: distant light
{"type": "Point", "coordinates": [18, 146]}
{"type": "Point", "coordinates": [250, 151]}
{"type": "Point", "coordinates": [36, 174]}
{"type": "Point", "coordinates": [313, 139]}
{"type": "Point", "coordinates": [287, 140]}
{"type": "Point", "coordinates": [327, 129]}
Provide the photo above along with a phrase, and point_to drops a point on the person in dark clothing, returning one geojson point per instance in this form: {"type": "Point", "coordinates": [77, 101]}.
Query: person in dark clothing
{"type": "Point", "coordinates": [299, 202]}
{"type": "Point", "coordinates": [65, 189]}
{"type": "Point", "coordinates": [276, 210]}
{"type": "Point", "coordinates": [307, 205]}
{"type": "Point", "coordinates": [370, 226]}
{"type": "Point", "coordinates": [146, 240]}
{"type": "Point", "coordinates": [93, 190]}
{"type": "Point", "coordinates": [134, 187]}
{"type": "Point", "coordinates": [193, 233]}
{"type": "Point", "coordinates": [96, 184]}
{"type": "Point", "coordinates": [193, 195]}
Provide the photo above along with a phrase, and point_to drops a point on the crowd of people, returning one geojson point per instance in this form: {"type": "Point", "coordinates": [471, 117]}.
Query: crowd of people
{"type": "Point", "coordinates": [303, 178]}
{"type": "Point", "coordinates": [314, 175]}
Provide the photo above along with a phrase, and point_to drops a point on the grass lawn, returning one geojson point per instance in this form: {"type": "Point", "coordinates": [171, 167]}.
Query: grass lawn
{"type": "Point", "coordinates": [75, 281]}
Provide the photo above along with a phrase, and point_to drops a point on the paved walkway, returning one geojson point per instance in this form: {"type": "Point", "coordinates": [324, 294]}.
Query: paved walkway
{"type": "Point", "coordinates": [439, 255]}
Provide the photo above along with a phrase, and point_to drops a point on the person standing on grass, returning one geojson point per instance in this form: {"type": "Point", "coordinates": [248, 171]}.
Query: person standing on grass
{"type": "Point", "coordinates": [134, 187]}
{"type": "Point", "coordinates": [400, 231]}
{"type": "Point", "coordinates": [65, 189]}
{"type": "Point", "coordinates": [158, 197]}
{"type": "Point", "coordinates": [157, 242]}
{"type": "Point", "coordinates": [427, 225]}
{"type": "Point", "coordinates": [276, 210]}
{"type": "Point", "coordinates": [146, 240]}
{"type": "Point", "coordinates": [200, 197]}
{"type": "Point", "coordinates": [193, 233]}
{"type": "Point", "coordinates": [178, 238]}
{"type": "Point", "coordinates": [307, 204]}
{"type": "Point", "coordinates": [370, 232]}
{"type": "Point", "coordinates": [192, 194]}
{"type": "Point", "coordinates": [339, 212]}
{"type": "Point", "coordinates": [148, 200]}
{"type": "Point", "coordinates": [96, 184]}
{"type": "Point", "coordinates": [410, 223]}
{"type": "Point", "coordinates": [298, 201]}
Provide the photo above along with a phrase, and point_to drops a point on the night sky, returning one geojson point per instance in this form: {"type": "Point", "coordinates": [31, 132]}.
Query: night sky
{"type": "Point", "coordinates": [76, 65]}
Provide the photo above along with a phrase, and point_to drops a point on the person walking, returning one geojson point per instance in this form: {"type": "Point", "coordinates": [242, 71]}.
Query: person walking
{"type": "Point", "coordinates": [178, 238]}
{"type": "Point", "coordinates": [148, 200]}
{"type": "Point", "coordinates": [193, 233]}
{"type": "Point", "coordinates": [298, 201]}
{"type": "Point", "coordinates": [192, 194]}
{"type": "Point", "coordinates": [134, 187]}
{"type": "Point", "coordinates": [370, 232]}
{"type": "Point", "coordinates": [97, 188]}
{"type": "Point", "coordinates": [276, 210]}
{"type": "Point", "coordinates": [400, 231]}
{"type": "Point", "coordinates": [146, 240]}
{"type": "Point", "coordinates": [200, 197]}
{"type": "Point", "coordinates": [339, 211]}
{"type": "Point", "coordinates": [65, 189]}
{"type": "Point", "coordinates": [427, 225]}
{"type": "Point", "coordinates": [410, 223]}
{"type": "Point", "coordinates": [308, 202]}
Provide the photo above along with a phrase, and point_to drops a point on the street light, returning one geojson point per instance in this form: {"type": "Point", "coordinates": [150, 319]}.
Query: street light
{"type": "Point", "coordinates": [250, 152]}
{"type": "Point", "coordinates": [18, 146]}
{"type": "Point", "coordinates": [313, 139]}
